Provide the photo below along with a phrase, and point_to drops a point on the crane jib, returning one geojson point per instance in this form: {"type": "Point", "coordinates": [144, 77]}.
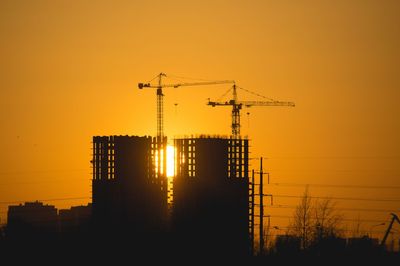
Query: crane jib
{"type": "Point", "coordinates": [160, 104]}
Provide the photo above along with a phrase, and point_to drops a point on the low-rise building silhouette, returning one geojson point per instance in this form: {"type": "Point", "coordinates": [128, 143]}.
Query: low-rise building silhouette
{"type": "Point", "coordinates": [77, 219]}
{"type": "Point", "coordinates": [362, 244]}
{"type": "Point", "coordinates": [287, 244]}
{"type": "Point", "coordinates": [31, 220]}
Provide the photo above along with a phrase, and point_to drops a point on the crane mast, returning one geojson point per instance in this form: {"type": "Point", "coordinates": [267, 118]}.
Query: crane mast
{"type": "Point", "coordinates": [235, 114]}
{"type": "Point", "coordinates": [160, 108]}
{"type": "Point", "coordinates": [160, 96]}
{"type": "Point", "coordinates": [237, 105]}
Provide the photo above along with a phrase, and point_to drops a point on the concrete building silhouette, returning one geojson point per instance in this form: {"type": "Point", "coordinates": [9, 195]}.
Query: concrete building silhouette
{"type": "Point", "coordinates": [129, 194]}
{"type": "Point", "coordinates": [209, 210]}
{"type": "Point", "coordinates": [77, 219]}
{"type": "Point", "coordinates": [32, 220]}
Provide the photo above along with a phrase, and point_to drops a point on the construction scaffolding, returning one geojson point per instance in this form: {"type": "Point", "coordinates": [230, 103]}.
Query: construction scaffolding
{"type": "Point", "coordinates": [210, 208]}
{"type": "Point", "coordinates": [129, 183]}
{"type": "Point", "coordinates": [211, 195]}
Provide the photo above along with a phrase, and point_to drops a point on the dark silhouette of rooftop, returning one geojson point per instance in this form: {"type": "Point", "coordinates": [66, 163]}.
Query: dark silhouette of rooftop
{"type": "Point", "coordinates": [32, 220]}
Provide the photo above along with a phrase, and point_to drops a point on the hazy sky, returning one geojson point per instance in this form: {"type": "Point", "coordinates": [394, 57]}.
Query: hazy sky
{"type": "Point", "coordinates": [69, 70]}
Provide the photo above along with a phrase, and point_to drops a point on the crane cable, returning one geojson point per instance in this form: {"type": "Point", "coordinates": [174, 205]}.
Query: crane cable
{"type": "Point", "coordinates": [223, 95]}
{"type": "Point", "coordinates": [188, 78]}
{"type": "Point", "coordinates": [246, 90]}
{"type": "Point", "coordinates": [255, 93]}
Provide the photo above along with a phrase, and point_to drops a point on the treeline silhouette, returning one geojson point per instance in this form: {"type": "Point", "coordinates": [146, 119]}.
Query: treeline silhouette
{"type": "Point", "coordinates": [316, 231]}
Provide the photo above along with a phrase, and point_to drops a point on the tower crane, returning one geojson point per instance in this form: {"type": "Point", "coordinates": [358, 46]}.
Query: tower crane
{"type": "Point", "coordinates": [237, 105]}
{"type": "Point", "coordinates": [394, 218]}
{"type": "Point", "coordinates": [160, 95]}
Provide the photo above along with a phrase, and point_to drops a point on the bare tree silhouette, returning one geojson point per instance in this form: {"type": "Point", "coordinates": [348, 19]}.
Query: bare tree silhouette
{"type": "Point", "coordinates": [314, 221]}
{"type": "Point", "coordinates": [302, 221]}
{"type": "Point", "coordinates": [327, 221]}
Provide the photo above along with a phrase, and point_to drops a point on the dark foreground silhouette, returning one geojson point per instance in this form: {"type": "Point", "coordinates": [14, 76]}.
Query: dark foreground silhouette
{"type": "Point", "coordinates": [128, 247]}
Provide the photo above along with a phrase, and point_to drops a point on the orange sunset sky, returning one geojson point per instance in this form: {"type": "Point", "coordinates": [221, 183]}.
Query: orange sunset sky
{"type": "Point", "coordinates": [69, 70]}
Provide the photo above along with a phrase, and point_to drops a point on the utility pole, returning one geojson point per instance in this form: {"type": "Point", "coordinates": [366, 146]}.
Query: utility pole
{"type": "Point", "coordinates": [252, 196]}
{"type": "Point", "coordinates": [261, 208]}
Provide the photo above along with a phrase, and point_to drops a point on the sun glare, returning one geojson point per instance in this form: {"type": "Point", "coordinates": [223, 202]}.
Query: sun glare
{"type": "Point", "coordinates": [170, 161]}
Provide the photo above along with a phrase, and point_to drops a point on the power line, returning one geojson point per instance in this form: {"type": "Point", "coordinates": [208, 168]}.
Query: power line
{"type": "Point", "coordinates": [342, 230]}
{"type": "Point", "coordinates": [339, 198]}
{"type": "Point", "coordinates": [43, 200]}
{"type": "Point", "coordinates": [64, 180]}
{"type": "Point", "coordinates": [332, 185]}
{"type": "Point", "coordinates": [338, 157]}
{"type": "Point", "coordinates": [340, 209]}
{"type": "Point", "coordinates": [43, 171]}
{"type": "Point", "coordinates": [313, 218]}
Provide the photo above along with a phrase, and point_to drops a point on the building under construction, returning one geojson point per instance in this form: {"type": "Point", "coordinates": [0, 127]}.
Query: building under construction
{"type": "Point", "coordinates": [129, 193]}
{"type": "Point", "coordinates": [211, 195]}
{"type": "Point", "coordinates": [209, 212]}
